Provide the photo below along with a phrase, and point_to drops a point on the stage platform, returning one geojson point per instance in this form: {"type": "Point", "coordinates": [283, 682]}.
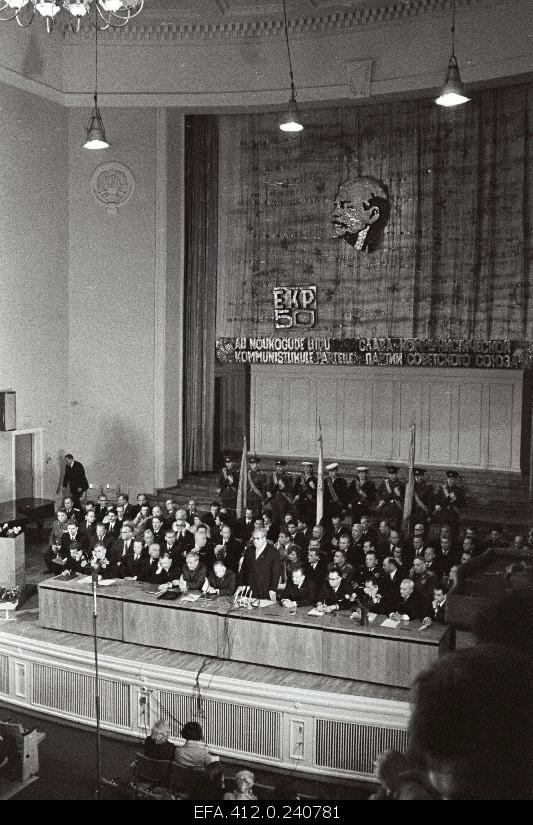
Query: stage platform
{"type": "Point", "coordinates": [285, 719]}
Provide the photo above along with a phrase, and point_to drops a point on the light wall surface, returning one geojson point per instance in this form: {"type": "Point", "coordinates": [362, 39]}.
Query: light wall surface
{"type": "Point", "coordinates": [34, 325]}
{"type": "Point", "coordinates": [111, 306]}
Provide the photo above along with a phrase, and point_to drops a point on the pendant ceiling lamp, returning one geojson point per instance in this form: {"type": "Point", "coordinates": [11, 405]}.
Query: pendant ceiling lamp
{"type": "Point", "coordinates": [96, 138]}
{"type": "Point", "coordinates": [290, 122]}
{"type": "Point", "coordinates": [452, 93]}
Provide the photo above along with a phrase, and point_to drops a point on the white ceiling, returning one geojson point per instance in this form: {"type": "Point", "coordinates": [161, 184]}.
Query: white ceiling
{"type": "Point", "coordinates": [218, 10]}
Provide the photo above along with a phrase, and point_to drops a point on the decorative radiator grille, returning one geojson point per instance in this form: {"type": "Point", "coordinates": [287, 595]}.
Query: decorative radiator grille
{"type": "Point", "coordinates": [74, 693]}
{"type": "Point", "coordinates": [4, 674]}
{"type": "Point", "coordinates": [236, 727]}
{"type": "Point", "coordinates": [352, 747]}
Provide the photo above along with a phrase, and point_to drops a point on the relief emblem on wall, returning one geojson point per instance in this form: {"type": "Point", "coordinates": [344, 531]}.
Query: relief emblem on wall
{"type": "Point", "coordinates": [112, 185]}
{"type": "Point", "coordinates": [361, 213]}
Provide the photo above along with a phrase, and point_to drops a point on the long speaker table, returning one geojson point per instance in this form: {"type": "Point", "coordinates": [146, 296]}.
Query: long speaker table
{"type": "Point", "coordinates": [331, 645]}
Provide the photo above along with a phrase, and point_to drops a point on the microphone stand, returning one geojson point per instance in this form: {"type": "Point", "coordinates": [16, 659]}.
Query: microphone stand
{"type": "Point", "coordinates": [96, 683]}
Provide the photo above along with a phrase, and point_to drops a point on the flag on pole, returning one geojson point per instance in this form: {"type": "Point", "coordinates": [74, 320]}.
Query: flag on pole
{"type": "Point", "coordinates": [410, 486]}
{"type": "Point", "coordinates": [320, 480]}
{"type": "Point", "coordinates": [243, 483]}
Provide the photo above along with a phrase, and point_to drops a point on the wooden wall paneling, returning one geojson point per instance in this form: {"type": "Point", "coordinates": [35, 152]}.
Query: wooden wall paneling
{"type": "Point", "coordinates": [409, 399]}
{"type": "Point", "coordinates": [326, 397]}
{"type": "Point", "coordinates": [272, 424]}
{"type": "Point", "coordinates": [155, 626]}
{"type": "Point", "coordinates": [440, 406]}
{"type": "Point", "coordinates": [280, 645]}
{"type": "Point", "coordinates": [466, 418]}
{"type": "Point", "coordinates": [499, 424]}
{"type": "Point", "coordinates": [354, 413]}
{"type": "Point", "coordinates": [469, 435]}
{"type": "Point", "coordinates": [300, 395]}
{"type": "Point", "coordinates": [383, 420]}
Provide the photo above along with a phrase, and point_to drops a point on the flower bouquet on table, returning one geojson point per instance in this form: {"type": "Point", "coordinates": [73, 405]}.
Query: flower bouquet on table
{"type": "Point", "coordinates": [9, 599]}
{"type": "Point", "coordinates": [7, 532]}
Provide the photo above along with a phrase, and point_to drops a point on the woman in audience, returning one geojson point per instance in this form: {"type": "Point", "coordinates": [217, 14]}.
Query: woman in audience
{"type": "Point", "coordinates": [157, 746]}
{"type": "Point", "coordinates": [193, 753]}
{"type": "Point", "coordinates": [244, 786]}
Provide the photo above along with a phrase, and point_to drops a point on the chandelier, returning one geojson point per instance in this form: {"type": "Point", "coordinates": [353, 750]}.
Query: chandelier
{"type": "Point", "coordinates": [101, 13]}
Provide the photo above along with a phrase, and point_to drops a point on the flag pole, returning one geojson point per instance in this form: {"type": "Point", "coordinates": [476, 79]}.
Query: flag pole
{"type": "Point", "coordinates": [320, 480]}
{"type": "Point", "coordinates": [410, 487]}
{"type": "Point", "coordinates": [243, 483]}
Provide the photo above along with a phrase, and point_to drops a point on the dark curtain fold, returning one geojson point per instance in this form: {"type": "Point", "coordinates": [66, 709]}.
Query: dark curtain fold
{"type": "Point", "coordinates": [455, 259]}
{"type": "Point", "coordinates": [201, 241]}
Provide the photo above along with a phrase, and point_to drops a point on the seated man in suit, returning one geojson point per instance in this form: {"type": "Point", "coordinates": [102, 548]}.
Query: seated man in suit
{"type": "Point", "coordinates": [165, 574]}
{"type": "Point", "coordinates": [76, 562]}
{"type": "Point", "coordinates": [133, 563]}
{"type": "Point", "coordinates": [221, 581]}
{"type": "Point", "coordinates": [369, 599]}
{"type": "Point", "coordinates": [335, 593]}
{"type": "Point", "coordinates": [316, 568]}
{"type": "Point", "coordinates": [72, 535]}
{"type": "Point", "coordinates": [438, 605]}
{"type": "Point", "coordinates": [193, 574]}
{"type": "Point", "coordinates": [106, 567]}
{"type": "Point", "coordinates": [347, 571]}
{"type": "Point", "coordinates": [58, 528]}
{"type": "Point", "coordinates": [150, 562]}
{"type": "Point", "coordinates": [300, 591]}
{"type": "Point", "coordinates": [408, 605]}
{"type": "Point", "coordinates": [369, 569]}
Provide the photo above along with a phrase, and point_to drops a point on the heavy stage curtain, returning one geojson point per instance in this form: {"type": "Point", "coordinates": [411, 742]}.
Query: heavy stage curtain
{"type": "Point", "coordinates": [455, 259]}
{"type": "Point", "coordinates": [201, 181]}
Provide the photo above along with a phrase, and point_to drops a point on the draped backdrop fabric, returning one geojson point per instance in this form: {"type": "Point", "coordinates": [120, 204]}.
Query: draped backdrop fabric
{"type": "Point", "coordinates": [201, 182]}
{"type": "Point", "coordinates": [456, 254]}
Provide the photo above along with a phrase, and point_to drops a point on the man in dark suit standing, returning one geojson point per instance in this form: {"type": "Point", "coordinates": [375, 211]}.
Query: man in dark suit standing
{"type": "Point", "coordinates": [75, 479]}
{"type": "Point", "coordinates": [260, 567]}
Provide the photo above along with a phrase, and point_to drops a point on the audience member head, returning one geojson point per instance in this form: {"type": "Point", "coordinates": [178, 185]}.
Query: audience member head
{"type": "Point", "coordinates": [334, 575]}
{"type": "Point", "coordinates": [469, 545]}
{"type": "Point", "coordinates": [214, 507]}
{"type": "Point", "coordinates": [466, 555]}
{"type": "Point", "coordinates": [418, 543]}
{"type": "Point", "coordinates": [244, 782]}
{"type": "Point", "coordinates": [72, 529]}
{"type": "Point", "coordinates": [318, 531]}
{"type": "Point", "coordinates": [148, 536]}
{"type": "Point", "coordinates": [61, 515]}
{"type": "Point", "coordinates": [225, 532]}
{"type": "Point", "coordinates": [471, 724]}
{"type": "Point", "coordinates": [406, 588]}
{"type": "Point", "coordinates": [165, 561]}
{"type": "Point", "coordinates": [154, 550]}
{"type": "Point", "coordinates": [219, 568]}
{"type": "Point", "coordinates": [160, 731]}
{"type": "Point", "coordinates": [395, 538]}
{"type": "Point", "coordinates": [339, 557]}
{"type": "Point", "coordinates": [357, 532]}
{"type": "Point", "coordinates": [126, 533]}
{"type": "Point", "coordinates": [192, 560]}
{"type": "Point", "coordinates": [344, 542]}
{"type": "Point", "coordinates": [142, 500]}
{"type": "Point", "coordinates": [371, 560]}
{"type": "Point", "coordinates": [67, 503]}
{"type": "Point", "coordinates": [419, 530]}
{"type": "Point", "coordinates": [397, 554]}
{"type": "Point", "coordinates": [192, 731]}
{"type": "Point", "coordinates": [102, 501]}
{"type": "Point", "coordinates": [364, 521]}
{"type": "Point", "coordinates": [293, 554]}
{"type": "Point", "coordinates": [298, 575]}
{"type": "Point", "coordinates": [313, 551]}
{"type": "Point", "coordinates": [419, 566]}
{"type": "Point", "coordinates": [439, 594]}
{"type": "Point", "coordinates": [390, 565]}
{"type": "Point", "coordinates": [507, 621]}
{"type": "Point", "coordinates": [368, 547]}
{"type": "Point", "coordinates": [384, 529]}
{"type": "Point", "coordinates": [430, 554]}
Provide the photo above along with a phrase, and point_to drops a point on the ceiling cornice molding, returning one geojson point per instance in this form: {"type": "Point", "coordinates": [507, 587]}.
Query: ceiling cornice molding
{"type": "Point", "coordinates": [162, 33]}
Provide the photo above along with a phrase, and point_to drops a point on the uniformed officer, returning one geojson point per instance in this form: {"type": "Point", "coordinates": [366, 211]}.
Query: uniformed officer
{"type": "Point", "coordinates": [305, 488]}
{"type": "Point", "coordinates": [256, 487]}
{"type": "Point", "coordinates": [390, 497]}
{"type": "Point", "coordinates": [279, 492]}
{"type": "Point", "coordinates": [335, 493]}
{"type": "Point", "coordinates": [228, 484]}
{"type": "Point", "coordinates": [423, 498]}
{"type": "Point", "coordinates": [450, 501]}
{"type": "Point", "coordinates": [361, 494]}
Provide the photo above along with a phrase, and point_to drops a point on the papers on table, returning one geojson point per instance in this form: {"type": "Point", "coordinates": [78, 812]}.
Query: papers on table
{"type": "Point", "coordinates": [191, 597]}
{"type": "Point", "coordinates": [265, 602]}
{"type": "Point", "coordinates": [315, 612]}
{"type": "Point", "coordinates": [106, 582]}
{"type": "Point", "coordinates": [372, 616]}
{"type": "Point", "coordinates": [390, 623]}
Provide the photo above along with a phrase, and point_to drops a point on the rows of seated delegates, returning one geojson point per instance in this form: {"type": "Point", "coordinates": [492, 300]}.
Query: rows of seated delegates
{"type": "Point", "coordinates": [357, 559]}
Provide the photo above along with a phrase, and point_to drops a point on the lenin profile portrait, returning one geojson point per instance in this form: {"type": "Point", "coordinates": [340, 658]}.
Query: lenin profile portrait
{"type": "Point", "coordinates": [361, 213]}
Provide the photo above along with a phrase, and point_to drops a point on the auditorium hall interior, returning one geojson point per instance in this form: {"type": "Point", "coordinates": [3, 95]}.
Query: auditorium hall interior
{"type": "Point", "coordinates": [266, 432]}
